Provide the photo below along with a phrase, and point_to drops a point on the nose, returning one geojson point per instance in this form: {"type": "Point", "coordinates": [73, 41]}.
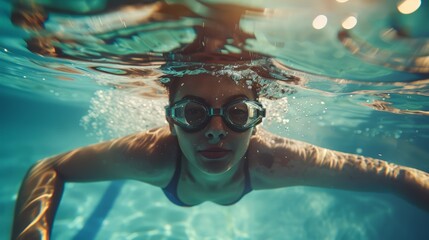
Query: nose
{"type": "Point", "coordinates": [216, 130]}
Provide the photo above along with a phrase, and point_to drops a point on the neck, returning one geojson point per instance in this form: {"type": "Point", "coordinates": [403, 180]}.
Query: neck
{"type": "Point", "coordinates": [215, 180]}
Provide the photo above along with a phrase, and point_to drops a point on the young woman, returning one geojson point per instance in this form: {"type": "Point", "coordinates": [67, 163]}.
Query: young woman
{"type": "Point", "coordinates": [210, 151]}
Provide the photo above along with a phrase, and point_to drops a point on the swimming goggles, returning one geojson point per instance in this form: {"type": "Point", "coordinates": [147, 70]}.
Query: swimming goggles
{"type": "Point", "coordinates": [194, 114]}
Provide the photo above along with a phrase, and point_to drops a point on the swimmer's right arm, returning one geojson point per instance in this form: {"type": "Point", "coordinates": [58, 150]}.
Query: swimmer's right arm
{"type": "Point", "coordinates": [141, 157]}
{"type": "Point", "coordinates": [37, 202]}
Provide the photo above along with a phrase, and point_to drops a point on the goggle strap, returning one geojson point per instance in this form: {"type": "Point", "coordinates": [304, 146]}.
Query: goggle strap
{"type": "Point", "coordinates": [262, 111]}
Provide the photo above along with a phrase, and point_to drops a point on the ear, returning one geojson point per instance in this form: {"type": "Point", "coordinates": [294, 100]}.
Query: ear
{"type": "Point", "coordinates": [171, 126]}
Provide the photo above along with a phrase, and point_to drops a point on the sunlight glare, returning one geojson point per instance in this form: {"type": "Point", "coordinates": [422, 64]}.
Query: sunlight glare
{"type": "Point", "coordinates": [408, 6]}
{"type": "Point", "coordinates": [349, 22]}
{"type": "Point", "coordinates": [320, 22]}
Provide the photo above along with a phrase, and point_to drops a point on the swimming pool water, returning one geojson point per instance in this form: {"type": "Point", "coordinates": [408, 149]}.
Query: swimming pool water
{"type": "Point", "coordinates": [51, 105]}
{"type": "Point", "coordinates": [35, 129]}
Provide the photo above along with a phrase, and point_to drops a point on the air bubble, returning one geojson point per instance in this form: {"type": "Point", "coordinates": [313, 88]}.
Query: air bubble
{"type": "Point", "coordinates": [398, 134]}
{"type": "Point", "coordinates": [116, 113]}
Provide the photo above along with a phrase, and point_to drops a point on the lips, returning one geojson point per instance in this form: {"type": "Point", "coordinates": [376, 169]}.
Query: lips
{"type": "Point", "coordinates": [214, 153]}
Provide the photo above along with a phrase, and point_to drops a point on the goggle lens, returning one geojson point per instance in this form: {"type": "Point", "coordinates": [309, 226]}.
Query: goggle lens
{"type": "Point", "coordinates": [238, 114]}
{"type": "Point", "coordinates": [195, 114]}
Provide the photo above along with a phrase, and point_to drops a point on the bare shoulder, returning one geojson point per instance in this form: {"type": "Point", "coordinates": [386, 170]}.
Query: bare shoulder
{"type": "Point", "coordinates": [148, 156]}
{"type": "Point", "coordinates": [273, 158]}
{"type": "Point", "coordinates": [156, 145]}
{"type": "Point", "coordinates": [151, 153]}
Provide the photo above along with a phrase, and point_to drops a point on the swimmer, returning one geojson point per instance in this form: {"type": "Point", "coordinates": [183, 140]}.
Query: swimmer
{"type": "Point", "coordinates": [211, 150]}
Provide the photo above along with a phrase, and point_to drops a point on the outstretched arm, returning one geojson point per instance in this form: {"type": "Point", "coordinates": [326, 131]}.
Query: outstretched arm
{"type": "Point", "coordinates": [141, 157]}
{"type": "Point", "coordinates": [283, 162]}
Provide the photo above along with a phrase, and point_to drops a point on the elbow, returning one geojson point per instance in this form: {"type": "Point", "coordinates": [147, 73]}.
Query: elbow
{"type": "Point", "coordinates": [44, 173]}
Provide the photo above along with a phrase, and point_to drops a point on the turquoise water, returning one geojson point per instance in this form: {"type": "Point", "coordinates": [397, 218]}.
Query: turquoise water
{"type": "Point", "coordinates": [362, 90]}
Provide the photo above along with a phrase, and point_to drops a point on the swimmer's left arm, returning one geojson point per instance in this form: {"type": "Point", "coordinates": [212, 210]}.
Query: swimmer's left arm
{"type": "Point", "coordinates": [283, 162]}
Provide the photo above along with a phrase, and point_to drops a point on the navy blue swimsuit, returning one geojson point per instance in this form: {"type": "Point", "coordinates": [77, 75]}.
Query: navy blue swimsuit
{"type": "Point", "coordinates": [170, 190]}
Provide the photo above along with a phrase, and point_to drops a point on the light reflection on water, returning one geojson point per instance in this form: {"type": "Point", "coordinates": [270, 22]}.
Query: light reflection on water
{"type": "Point", "coordinates": [73, 47]}
{"type": "Point", "coordinates": [302, 214]}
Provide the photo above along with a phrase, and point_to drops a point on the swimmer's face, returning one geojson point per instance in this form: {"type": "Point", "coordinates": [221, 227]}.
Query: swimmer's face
{"type": "Point", "coordinates": [215, 148]}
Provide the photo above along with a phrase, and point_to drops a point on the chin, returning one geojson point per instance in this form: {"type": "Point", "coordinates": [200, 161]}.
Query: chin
{"type": "Point", "coordinates": [215, 167]}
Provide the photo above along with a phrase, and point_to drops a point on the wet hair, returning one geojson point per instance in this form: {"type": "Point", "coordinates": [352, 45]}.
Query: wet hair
{"type": "Point", "coordinates": [172, 87]}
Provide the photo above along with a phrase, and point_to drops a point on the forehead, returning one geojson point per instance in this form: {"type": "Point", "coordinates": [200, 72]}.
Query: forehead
{"type": "Point", "coordinates": [213, 89]}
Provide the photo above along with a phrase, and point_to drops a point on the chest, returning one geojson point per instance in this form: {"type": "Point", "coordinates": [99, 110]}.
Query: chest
{"type": "Point", "coordinates": [191, 192]}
